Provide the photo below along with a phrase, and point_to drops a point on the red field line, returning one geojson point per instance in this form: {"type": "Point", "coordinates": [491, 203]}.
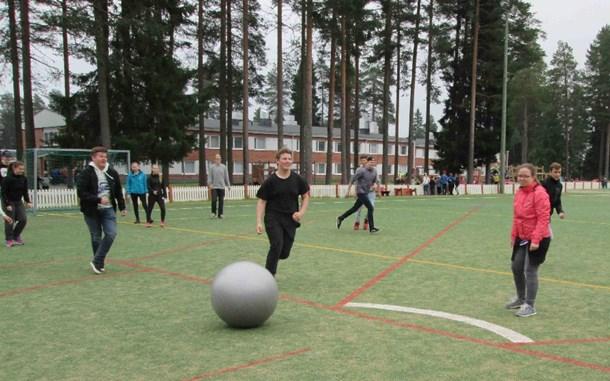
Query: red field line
{"type": "Point", "coordinates": [175, 250]}
{"type": "Point", "coordinates": [148, 269]}
{"type": "Point", "coordinates": [396, 265]}
{"type": "Point", "coordinates": [562, 342]}
{"type": "Point", "coordinates": [41, 263]}
{"type": "Point", "coordinates": [251, 364]}
{"type": "Point", "coordinates": [64, 282]}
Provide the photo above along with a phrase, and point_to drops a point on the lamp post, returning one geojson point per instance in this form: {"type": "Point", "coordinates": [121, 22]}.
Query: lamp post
{"type": "Point", "coordinates": [504, 99]}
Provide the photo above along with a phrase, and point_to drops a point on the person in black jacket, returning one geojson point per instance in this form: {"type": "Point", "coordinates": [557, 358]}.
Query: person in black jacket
{"type": "Point", "coordinates": [553, 187]}
{"type": "Point", "coordinates": [14, 192]}
{"type": "Point", "coordinates": [156, 194]}
{"type": "Point", "coordinates": [5, 159]}
{"type": "Point", "coordinates": [100, 192]}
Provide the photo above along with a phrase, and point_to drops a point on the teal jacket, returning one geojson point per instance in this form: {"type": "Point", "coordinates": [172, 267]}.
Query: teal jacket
{"type": "Point", "coordinates": [136, 184]}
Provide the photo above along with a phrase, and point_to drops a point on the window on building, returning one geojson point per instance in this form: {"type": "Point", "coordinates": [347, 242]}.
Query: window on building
{"type": "Point", "coordinates": [373, 148]}
{"type": "Point", "coordinates": [238, 142]}
{"type": "Point", "coordinates": [320, 168]}
{"type": "Point", "coordinates": [338, 147]}
{"type": "Point", "coordinates": [49, 137]}
{"type": "Point", "coordinates": [319, 146]}
{"type": "Point", "coordinates": [213, 141]}
{"type": "Point", "coordinates": [259, 143]}
{"type": "Point", "coordinates": [403, 150]}
{"type": "Point", "coordinates": [238, 167]}
{"type": "Point", "coordinates": [336, 168]}
{"type": "Point", "coordinates": [188, 166]}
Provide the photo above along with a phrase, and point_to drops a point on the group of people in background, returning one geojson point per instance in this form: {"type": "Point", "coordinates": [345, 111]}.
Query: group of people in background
{"type": "Point", "coordinates": [139, 185]}
{"type": "Point", "coordinates": [445, 184]}
{"type": "Point", "coordinates": [15, 199]}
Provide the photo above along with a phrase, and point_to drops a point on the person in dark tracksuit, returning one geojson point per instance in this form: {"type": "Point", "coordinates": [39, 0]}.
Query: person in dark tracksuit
{"type": "Point", "coordinates": [553, 187]}
{"type": "Point", "coordinates": [278, 201]}
{"type": "Point", "coordinates": [136, 188]}
{"type": "Point", "coordinates": [157, 193]}
{"type": "Point", "coordinates": [14, 192]}
{"type": "Point", "coordinates": [99, 191]}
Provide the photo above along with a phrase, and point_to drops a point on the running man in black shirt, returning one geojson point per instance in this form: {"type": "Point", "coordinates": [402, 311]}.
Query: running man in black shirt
{"type": "Point", "coordinates": [278, 201]}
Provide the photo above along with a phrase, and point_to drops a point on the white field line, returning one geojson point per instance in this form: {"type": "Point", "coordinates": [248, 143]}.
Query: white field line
{"type": "Point", "coordinates": [509, 334]}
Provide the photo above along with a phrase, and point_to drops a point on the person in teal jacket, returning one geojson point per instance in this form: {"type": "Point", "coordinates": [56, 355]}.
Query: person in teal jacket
{"type": "Point", "coordinates": [137, 188]}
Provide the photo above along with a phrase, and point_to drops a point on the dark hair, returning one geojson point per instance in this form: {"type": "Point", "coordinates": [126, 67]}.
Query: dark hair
{"type": "Point", "coordinates": [362, 157]}
{"type": "Point", "coordinates": [282, 151]}
{"type": "Point", "coordinates": [554, 165]}
{"type": "Point", "coordinates": [98, 149]}
{"type": "Point", "coordinates": [370, 158]}
{"type": "Point", "coordinates": [135, 162]}
{"type": "Point", "coordinates": [13, 165]}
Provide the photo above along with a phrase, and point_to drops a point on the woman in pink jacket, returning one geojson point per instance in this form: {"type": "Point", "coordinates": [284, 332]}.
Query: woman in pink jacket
{"type": "Point", "coordinates": [530, 238]}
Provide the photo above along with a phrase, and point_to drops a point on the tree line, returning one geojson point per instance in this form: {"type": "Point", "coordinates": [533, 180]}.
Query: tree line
{"type": "Point", "coordinates": [161, 67]}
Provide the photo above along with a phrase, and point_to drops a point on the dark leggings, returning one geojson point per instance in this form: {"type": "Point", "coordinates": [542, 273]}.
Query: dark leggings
{"type": "Point", "coordinates": [525, 275]}
{"type": "Point", "coordinates": [13, 231]}
{"type": "Point", "coordinates": [281, 229]}
{"type": "Point", "coordinates": [363, 199]}
{"type": "Point", "coordinates": [134, 200]}
{"type": "Point", "coordinates": [152, 199]}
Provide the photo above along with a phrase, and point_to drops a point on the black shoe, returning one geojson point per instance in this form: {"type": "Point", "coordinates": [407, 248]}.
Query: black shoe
{"type": "Point", "coordinates": [136, 222]}
{"type": "Point", "coordinates": [339, 221]}
{"type": "Point", "coordinates": [374, 230]}
{"type": "Point", "coordinates": [96, 268]}
{"type": "Point", "coordinates": [220, 216]}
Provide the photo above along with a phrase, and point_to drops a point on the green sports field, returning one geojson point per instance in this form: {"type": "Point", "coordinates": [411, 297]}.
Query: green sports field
{"type": "Point", "coordinates": [149, 317]}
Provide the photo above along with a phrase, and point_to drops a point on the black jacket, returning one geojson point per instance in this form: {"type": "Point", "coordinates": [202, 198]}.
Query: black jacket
{"type": "Point", "coordinates": [156, 185]}
{"type": "Point", "coordinates": [554, 188]}
{"type": "Point", "coordinates": [14, 189]}
{"type": "Point", "coordinates": [87, 190]}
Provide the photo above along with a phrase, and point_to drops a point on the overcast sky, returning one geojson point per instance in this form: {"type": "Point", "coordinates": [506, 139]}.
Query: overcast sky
{"type": "Point", "coordinates": [575, 21]}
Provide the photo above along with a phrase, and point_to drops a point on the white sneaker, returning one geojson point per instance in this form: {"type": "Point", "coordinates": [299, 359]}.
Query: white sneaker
{"type": "Point", "coordinates": [526, 311]}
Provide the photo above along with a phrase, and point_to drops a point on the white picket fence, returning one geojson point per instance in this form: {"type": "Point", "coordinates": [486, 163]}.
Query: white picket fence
{"type": "Point", "coordinates": [62, 198]}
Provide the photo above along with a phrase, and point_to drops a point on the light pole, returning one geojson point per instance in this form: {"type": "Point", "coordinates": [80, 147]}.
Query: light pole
{"type": "Point", "coordinates": [504, 99]}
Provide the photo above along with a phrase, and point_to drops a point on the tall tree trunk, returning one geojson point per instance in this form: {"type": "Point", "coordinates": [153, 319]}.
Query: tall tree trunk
{"type": "Point", "coordinates": [331, 108]}
{"type": "Point", "coordinates": [230, 90]}
{"type": "Point", "coordinates": [473, 92]}
{"type": "Point", "coordinates": [200, 88]}
{"type": "Point", "coordinates": [344, 143]}
{"type": "Point", "coordinates": [429, 85]}
{"type": "Point", "coordinates": [602, 152]}
{"type": "Point", "coordinates": [566, 126]}
{"type": "Point", "coordinates": [348, 116]}
{"type": "Point", "coordinates": [303, 90]}
{"type": "Point", "coordinates": [357, 109]}
{"type": "Point", "coordinates": [279, 115]}
{"type": "Point", "coordinates": [607, 161]}
{"type": "Point", "coordinates": [307, 100]}
{"type": "Point", "coordinates": [222, 80]}
{"type": "Point", "coordinates": [66, 53]}
{"type": "Point", "coordinates": [16, 84]}
{"type": "Point", "coordinates": [246, 97]}
{"type": "Point", "coordinates": [28, 108]}
{"type": "Point", "coordinates": [397, 126]}
{"type": "Point", "coordinates": [387, 73]}
{"type": "Point", "coordinates": [412, 145]}
{"type": "Point", "coordinates": [101, 51]}
{"type": "Point", "coordinates": [524, 138]}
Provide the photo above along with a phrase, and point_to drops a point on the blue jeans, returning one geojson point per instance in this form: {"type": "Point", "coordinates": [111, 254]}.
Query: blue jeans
{"type": "Point", "coordinates": [103, 221]}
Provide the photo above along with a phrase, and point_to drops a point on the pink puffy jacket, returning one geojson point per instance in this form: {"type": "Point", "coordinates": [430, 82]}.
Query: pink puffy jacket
{"type": "Point", "coordinates": [532, 209]}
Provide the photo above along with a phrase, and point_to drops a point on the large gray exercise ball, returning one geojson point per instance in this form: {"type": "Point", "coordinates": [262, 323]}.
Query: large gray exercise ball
{"type": "Point", "coordinates": [244, 294]}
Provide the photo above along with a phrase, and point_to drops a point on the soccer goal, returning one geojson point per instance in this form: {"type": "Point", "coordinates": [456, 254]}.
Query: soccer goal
{"type": "Point", "coordinates": [53, 173]}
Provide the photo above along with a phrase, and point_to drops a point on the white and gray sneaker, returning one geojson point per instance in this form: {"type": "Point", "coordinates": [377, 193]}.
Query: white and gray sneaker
{"type": "Point", "coordinates": [514, 303]}
{"type": "Point", "coordinates": [525, 311]}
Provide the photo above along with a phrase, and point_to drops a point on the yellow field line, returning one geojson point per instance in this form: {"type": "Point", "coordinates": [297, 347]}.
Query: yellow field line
{"type": "Point", "coordinates": [380, 256]}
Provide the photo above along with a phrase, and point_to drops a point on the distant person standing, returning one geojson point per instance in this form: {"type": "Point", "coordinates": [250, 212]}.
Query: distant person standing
{"type": "Point", "coordinates": [278, 202]}
{"type": "Point", "coordinates": [364, 178]}
{"type": "Point", "coordinates": [14, 193]}
{"type": "Point", "coordinates": [100, 192]}
{"type": "Point", "coordinates": [444, 182]}
{"type": "Point", "coordinates": [5, 160]}
{"type": "Point", "coordinates": [554, 188]}
{"type": "Point", "coordinates": [426, 183]}
{"type": "Point", "coordinates": [136, 187]}
{"type": "Point", "coordinates": [157, 193]}
{"type": "Point", "coordinates": [218, 181]}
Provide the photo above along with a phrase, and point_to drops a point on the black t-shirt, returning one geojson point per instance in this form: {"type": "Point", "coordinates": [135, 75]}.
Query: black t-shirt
{"type": "Point", "coordinates": [282, 195]}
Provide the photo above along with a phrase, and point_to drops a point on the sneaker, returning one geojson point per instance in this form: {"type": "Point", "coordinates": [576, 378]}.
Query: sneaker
{"type": "Point", "coordinates": [10, 243]}
{"type": "Point", "coordinates": [136, 222]}
{"type": "Point", "coordinates": [514, 304]}
{"type": "Point", "coordinates": [374, 230]}
{"type": "Point", "coordinates": [148, 224]}
{"type": "Point", "coordinates": [96, 269]}
{"type": "Point", "coordinates": [18, 242]}
{"type": "Point", "coordinates": [162, 224]}
{"type": "Point", "coordinates": [366, 226]}
{"type": "Point", "coordinates": [220, 216]}
{"type": "Point", "coordinates": [357, 226]}
{"type": "Point", "coordinates": [339, 221]}
{"type": "Point", "coordinates": [212, 215]}
{"type": "Point", "coordinates": [525, 311]}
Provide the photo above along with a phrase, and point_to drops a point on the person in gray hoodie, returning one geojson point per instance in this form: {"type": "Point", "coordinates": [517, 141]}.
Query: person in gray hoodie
{"type": "Point", "coordinates": [218, 181]}
{"type": "Point", "coordinates": [365, 177]}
